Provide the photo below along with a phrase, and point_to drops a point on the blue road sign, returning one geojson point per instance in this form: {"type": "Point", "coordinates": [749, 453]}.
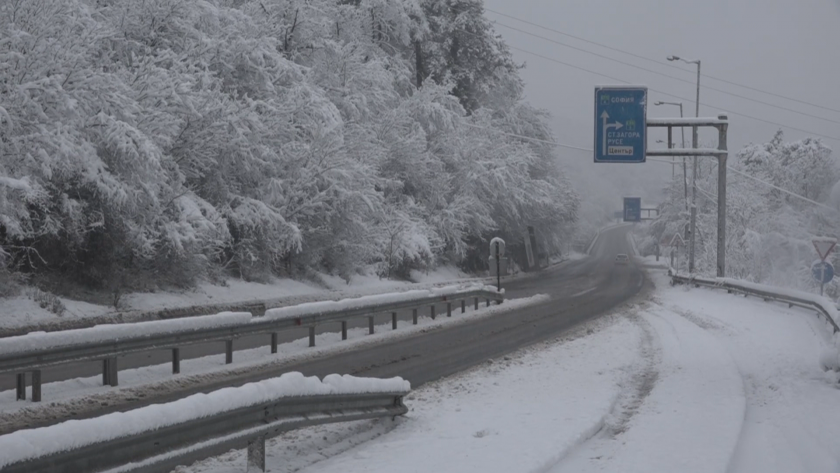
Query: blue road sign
{"type": "Point", "coordinates": [620, 124]}
{"type": "Point", "coordinates": [823, 271]}
{"type": "Point", "coordinates": [632, 209]}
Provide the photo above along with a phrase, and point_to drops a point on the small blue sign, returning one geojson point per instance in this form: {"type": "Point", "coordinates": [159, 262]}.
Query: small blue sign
{"type": "Point", "coordinates": [822, 271]}
{"type": "Point", "coordinates": [632, 209]}
{"type": "Point", "coordinates": [620, 124]}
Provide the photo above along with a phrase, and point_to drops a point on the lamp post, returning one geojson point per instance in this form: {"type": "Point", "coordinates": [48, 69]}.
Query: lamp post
{"type": "Point", "coordinates": [694, 144]}
{"type": "Point", "coordinates": [682, 132]}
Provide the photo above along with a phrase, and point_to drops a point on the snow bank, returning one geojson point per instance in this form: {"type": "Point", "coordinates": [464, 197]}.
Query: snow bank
{"type": "Point", "coordinates": [827, 304]}
{"type": "Point", "coordinates": [830, 360]}
{"type": "Point", "coordinates": [314, 308]}
{"type": "Point", "coordinates": [32, 443]}
{"type": "Point", "coordinates": [36, 341]}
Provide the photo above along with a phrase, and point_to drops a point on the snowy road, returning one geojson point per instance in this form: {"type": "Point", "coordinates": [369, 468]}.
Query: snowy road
{"type": "Point", "coordinates": [578, 290]}
{"type": "Point", "coordinates": [691, 380]}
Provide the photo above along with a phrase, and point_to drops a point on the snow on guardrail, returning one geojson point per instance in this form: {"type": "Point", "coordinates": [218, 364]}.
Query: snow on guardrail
{"type": "Point", "coordinates": [829, 306]}
{"type": "Point", "coordinates": [33, 443]}
{"type": "Point", "coordinates": [314, 308]}
{"type": "Point", "coordinates": [35, 341]}
{"type": "Point", "coordinates": [830, 359]}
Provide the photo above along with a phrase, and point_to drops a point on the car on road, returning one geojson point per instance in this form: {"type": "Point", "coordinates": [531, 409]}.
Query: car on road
{"type": "Point", "coordinates": [621, 258]}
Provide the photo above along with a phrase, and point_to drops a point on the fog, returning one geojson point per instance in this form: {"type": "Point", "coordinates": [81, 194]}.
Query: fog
{"type": "Point", "coordinates": [786, 48]}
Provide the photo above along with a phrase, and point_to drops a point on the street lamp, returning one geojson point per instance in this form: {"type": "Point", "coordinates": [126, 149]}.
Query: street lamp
{"type": "Point", "coordinates": [682, 131]}
{"type": "Point", "coordinates": [694, 144]}
{"type": "Point", "coordinates": [678, 104]}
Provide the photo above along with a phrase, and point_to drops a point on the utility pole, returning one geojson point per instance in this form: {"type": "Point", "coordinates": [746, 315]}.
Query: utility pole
{"type": "Point", "coordinates": [694, 144]}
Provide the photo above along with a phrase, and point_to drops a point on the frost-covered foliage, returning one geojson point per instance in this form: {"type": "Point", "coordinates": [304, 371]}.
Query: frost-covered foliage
{"type": "Point", "coordinates": [175, 138]}
{"type": "Point", "coordinates": [769, 232]}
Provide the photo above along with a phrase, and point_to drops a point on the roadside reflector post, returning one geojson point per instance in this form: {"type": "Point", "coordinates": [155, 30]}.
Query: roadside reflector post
{"type": "Point", "coordinates": [370, 325]}
{"type": "Point", "coordinates": [449, 309]}
{"type": "Point", "coordinates": [311, 335]}
{"type": "Point", "coordinates": [394, 320]}
{"type": "Point", "coordinates": [228, 352]}
{"type": "Point", "coordinates": [433, 312]}
{"type": "Point", "coordinates": [274, 342]}
{"type": "Point", "coordinates": [463, 305]}
{"type": "Point", "coordinates": [344, 330]}
{"type": "Point", "coordinates": [414, 316]}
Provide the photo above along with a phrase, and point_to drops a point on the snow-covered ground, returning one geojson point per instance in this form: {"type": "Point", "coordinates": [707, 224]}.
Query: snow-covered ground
{"type": "Point", "coordinates": [20, 311]}
{"type": "Point", "coordinates": [692, 380]}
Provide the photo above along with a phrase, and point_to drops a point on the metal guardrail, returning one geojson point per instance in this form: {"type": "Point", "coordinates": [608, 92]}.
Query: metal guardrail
{"type": "Point", "coordinates": [20, 363]}
{"type": "Point", "coordinates": [162, 450]}
{"type": "Point", "coordinates": [766, 294]}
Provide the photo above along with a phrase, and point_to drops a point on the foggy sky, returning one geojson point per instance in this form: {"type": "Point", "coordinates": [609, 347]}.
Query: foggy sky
{"type": "Point", "coordinates": [781, 46]}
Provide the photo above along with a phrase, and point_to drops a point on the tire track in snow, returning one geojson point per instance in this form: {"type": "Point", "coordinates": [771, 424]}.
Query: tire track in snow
{"type": "Point", "coordinates": [770, 439]}
{"type": "Point", "coordinates": [688, 419]}
{"type": "Point", "coordinates": [633, 390]}
{"type": "Point", "coordinates": [639, 384]}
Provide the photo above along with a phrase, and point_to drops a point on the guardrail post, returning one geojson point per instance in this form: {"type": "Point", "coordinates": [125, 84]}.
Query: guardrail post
{"type": "Point", "coordinates": [414, 316]}
{"type": "Point", "coordinates": [463, 305]}
{"type": "Point", "coordinates": [176, 360]}
{"type": "Point", "coordinates": [273, 343]}
{"type": "Point", "coordinates": [109, 372]}
{"type": "Point", "coordinates": [449, 309]}
{"type": "Point", "coordinates": [36, 385]}
{"type": "Point", "coordinates": [394, 320]}
{"type": "Point", "coordinates": [256, 455]}
{"type": "Point", "coordinates": [433, 312]}
{"type": "Point", "coordinates": [344, 330]}
{"type": "Point", "coordinates": [312, 336]}
{"type": "Point", "coordinates": [21, 387]}
{"type": "Point", "coordinates": [228, 352]}
{"type": "Point", "coordinates": [370, 325]}
{"type": "Point", "coordinates": [476, 303]}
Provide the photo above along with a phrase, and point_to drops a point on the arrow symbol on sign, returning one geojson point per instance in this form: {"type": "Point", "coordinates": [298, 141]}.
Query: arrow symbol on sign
{"type": "Point", "coordinates": [616, 125]}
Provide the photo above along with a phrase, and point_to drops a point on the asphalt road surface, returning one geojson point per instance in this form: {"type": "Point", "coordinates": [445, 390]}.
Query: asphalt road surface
{"type": "Point", "coordinates": [579, 290]}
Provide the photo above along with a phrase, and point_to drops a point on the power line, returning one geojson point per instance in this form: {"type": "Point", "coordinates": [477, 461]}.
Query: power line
{"type": "Point", "coordinates": [661, 62]}
{"type": "Point", "coordinates": [741, 173]}
{"type": "Point", "coordinates": [760, 181]}
{"type": "Point", "coordinates": [514, 135]}
{"type": "Point", "coordinates": [728, 167]}
{"type": "Point", "coordinates": [680, 79]}
{"type": "Point", "coordinates": [672, 95]}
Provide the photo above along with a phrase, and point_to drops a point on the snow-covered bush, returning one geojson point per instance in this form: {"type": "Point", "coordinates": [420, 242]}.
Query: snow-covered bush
{"type": "Point", "coordinates": [769, 231]}
{"type": "Point", "coordinates": [165, 141]}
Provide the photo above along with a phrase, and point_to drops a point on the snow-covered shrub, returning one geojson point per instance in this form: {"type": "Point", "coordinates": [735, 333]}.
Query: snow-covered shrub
{"type": "Point", "coordinates": [46, 300]}
{"type": "Point", "coordinates": [165, 141]}
{"type": "Point", "coordinates": [769, 231]}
